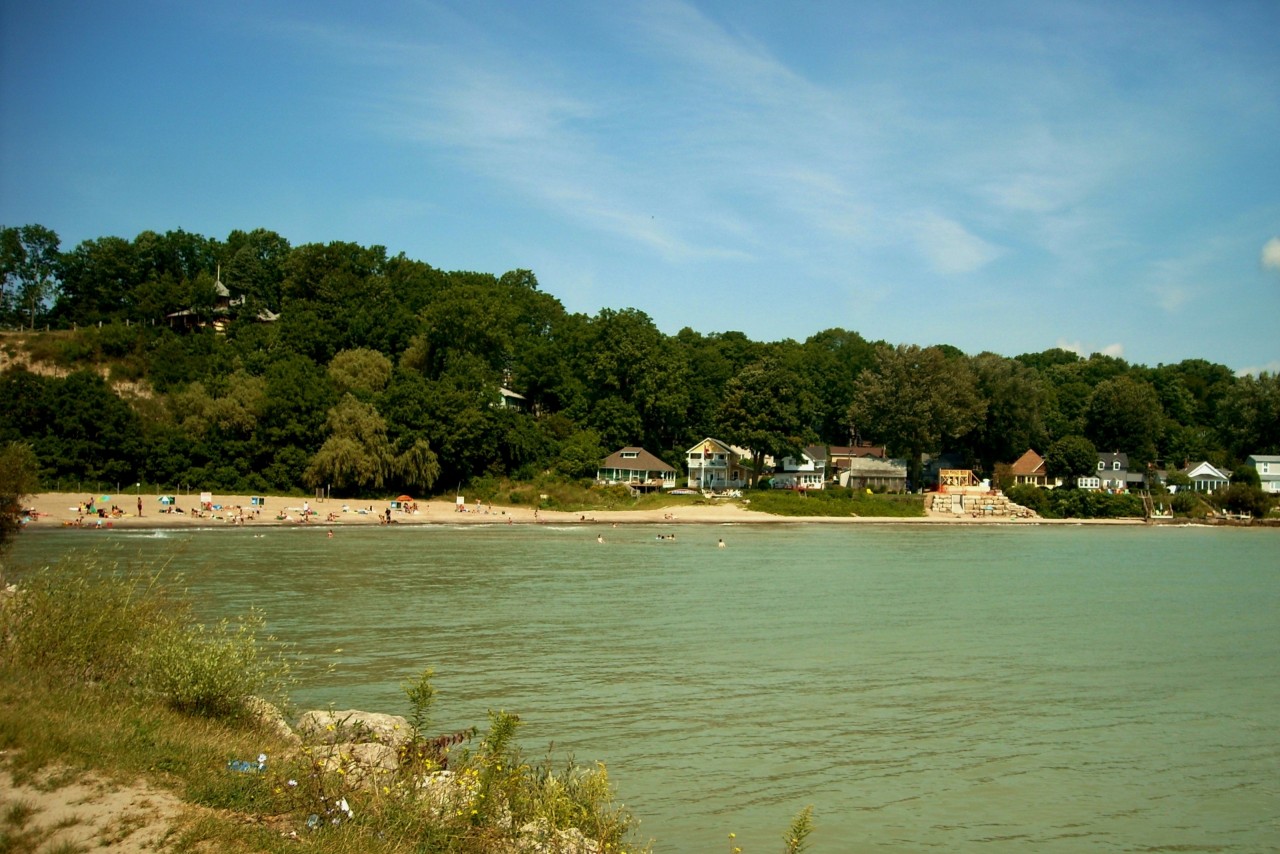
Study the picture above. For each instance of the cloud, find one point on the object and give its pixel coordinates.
(1271, 253)
(1114, 350)
(1172, 297)
(1272, 367)
(949, 246)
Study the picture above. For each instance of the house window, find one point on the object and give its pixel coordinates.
(629, 455)
(1101, 465)
(1115, 466)
(696, 455)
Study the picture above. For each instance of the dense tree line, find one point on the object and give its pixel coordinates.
(341, 367)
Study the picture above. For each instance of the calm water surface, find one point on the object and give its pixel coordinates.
(957, 689)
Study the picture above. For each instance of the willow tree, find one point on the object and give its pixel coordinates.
(357, 454)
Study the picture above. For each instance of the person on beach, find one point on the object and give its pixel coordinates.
(139, 505)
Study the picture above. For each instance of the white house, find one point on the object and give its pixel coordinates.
(1268, 467)
(713, 465)
(1206, 477)
(637, 468)
(808, 472)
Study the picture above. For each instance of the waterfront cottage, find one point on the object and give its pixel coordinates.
(1030, 469)
(1112, 474)
(872, 473)
(1268, 468)
(714, 466)
(636, 468)
(1206, 477)
(807, 472)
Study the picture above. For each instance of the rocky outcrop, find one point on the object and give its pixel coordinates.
(352, 726)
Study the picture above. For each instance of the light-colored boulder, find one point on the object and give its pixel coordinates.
(271, 719)
(353, 727)
(363, 764)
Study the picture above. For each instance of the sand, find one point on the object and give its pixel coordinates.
(60, 510)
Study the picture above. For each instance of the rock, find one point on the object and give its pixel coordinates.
(362, 764)
(354, 727)
(271, 719)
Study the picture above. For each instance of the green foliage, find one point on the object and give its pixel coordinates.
(1030, 496)
(421, 694)
(19, 478)
(835, 502)
(213, 671)
(797, 836)
(767, 408)
(1246, 475)
(914, 399)
(247, 407)
(1243, 498)
(1071, 458)
(86, 620)
(1079, 503)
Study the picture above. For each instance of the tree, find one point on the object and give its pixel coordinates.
(19, 477)
(1124, 414)
(1016, 400)
(360, 371)
(29, 261)
(357, 454)
(1247, 475)
(1071, 458)
(768, 410)
(831, 363)
(418, 467)
(913, 400)
(1249, 419)
(580, 455)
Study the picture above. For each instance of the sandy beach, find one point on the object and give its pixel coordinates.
(53, 510)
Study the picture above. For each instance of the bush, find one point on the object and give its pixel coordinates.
(1031, 497)
(1241, 498)
(84, 621)
(212, 672)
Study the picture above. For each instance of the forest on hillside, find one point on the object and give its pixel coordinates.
(250, 365)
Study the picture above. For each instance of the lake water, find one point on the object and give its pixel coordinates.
(962, 689)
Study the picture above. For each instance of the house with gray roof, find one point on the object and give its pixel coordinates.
(1268, 468)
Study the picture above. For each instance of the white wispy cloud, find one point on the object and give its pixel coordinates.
(1115, 350)
(1271, 254)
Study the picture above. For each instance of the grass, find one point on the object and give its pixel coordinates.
(841, 503)
(102, 670)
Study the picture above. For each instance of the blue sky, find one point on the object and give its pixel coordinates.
(997, 176)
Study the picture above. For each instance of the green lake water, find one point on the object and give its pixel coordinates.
(961, 689)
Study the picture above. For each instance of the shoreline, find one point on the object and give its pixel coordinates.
(60, 511)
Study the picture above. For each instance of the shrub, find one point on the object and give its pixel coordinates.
(212, 672)
(1031, 497)
(1242, 498)
(86, 621)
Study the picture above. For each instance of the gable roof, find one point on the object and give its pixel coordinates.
(642, 461)
(1028, 463)
(1264, 458)
(1122, 458)
(1208, 470)
(724, 447)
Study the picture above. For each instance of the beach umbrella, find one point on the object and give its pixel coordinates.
(405, 498)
